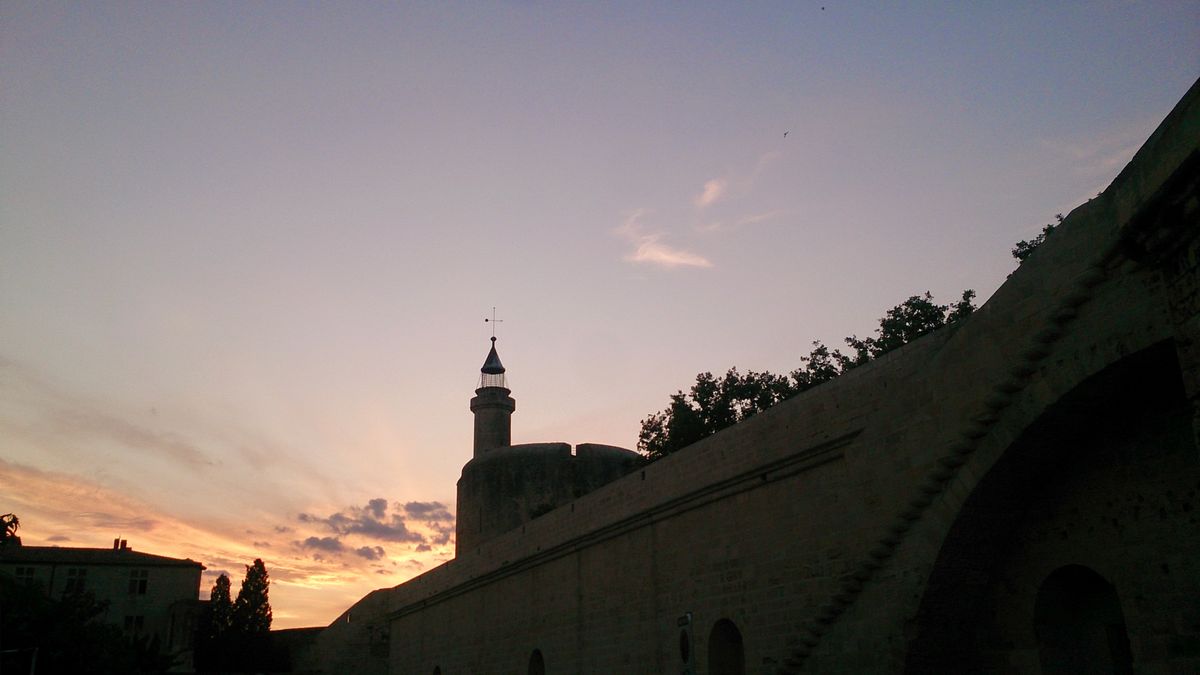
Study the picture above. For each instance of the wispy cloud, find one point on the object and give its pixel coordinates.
(649, 248)
(735, 184)
(713, 191)
(744, 221)
(54, 417)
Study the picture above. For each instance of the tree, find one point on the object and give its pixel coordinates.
(252, 609)
(215, 628)
(711, 405)
(220, 607)
(715, 403)
(908, 321)
(68, 635)
(1023, 248)
(9, 522)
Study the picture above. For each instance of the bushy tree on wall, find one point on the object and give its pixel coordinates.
(714, 403)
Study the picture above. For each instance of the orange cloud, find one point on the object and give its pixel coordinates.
(306, 590)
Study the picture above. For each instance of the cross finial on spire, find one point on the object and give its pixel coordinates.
(493, 321)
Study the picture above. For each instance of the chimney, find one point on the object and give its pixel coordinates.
(116, 543)
(124, 545)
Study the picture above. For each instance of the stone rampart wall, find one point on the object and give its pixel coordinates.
(816, 526)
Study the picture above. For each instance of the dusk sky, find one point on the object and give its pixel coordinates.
(246, 249)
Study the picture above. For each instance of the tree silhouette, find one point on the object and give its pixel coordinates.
(252, 609)
(715, 403)
(1022, 249)
(215, 627)
(219, 618)
(10, 523)
(908, 321)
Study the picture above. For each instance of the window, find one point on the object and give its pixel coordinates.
(137, 582)
(134, 624)
(25, 575)
(76, 580)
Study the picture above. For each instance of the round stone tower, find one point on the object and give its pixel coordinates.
(505, 486)
(492, 405)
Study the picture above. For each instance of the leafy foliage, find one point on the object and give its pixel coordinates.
(9, 524)
(714, 403)
(1023, 248)
(908, 321)
(67, 635)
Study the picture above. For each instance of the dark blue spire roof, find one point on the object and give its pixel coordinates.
(492, 365)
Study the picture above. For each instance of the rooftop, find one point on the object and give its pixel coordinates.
(45, 555)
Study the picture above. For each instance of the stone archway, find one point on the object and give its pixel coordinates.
(726, 653)
(1079, 624)
(1077, 486)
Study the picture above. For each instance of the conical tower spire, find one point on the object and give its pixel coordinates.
(492, 372)
(492, 405)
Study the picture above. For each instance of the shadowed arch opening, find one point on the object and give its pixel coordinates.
(437, 670)
(1136, 404)
(726, 654)
(1079, 624)
(537, 664)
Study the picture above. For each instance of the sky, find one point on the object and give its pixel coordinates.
(246, 249)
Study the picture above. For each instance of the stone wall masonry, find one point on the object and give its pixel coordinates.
(505, 488)
(815, 526)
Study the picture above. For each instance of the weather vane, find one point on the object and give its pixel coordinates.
(493, 321)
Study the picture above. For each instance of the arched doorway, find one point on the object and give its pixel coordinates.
(537, 664)
(1079, 624)
(726, 654)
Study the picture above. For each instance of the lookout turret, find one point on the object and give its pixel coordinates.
(492, 405)
(505, 486)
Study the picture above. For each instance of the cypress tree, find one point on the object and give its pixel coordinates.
(252, 609)
(220, 608)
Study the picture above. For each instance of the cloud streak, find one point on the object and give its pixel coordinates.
(744, 221)
(650, 249)
(713, 191)
(55, 416)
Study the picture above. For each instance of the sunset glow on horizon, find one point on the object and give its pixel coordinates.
(247, 250)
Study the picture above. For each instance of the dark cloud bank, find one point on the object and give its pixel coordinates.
(379, 521)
